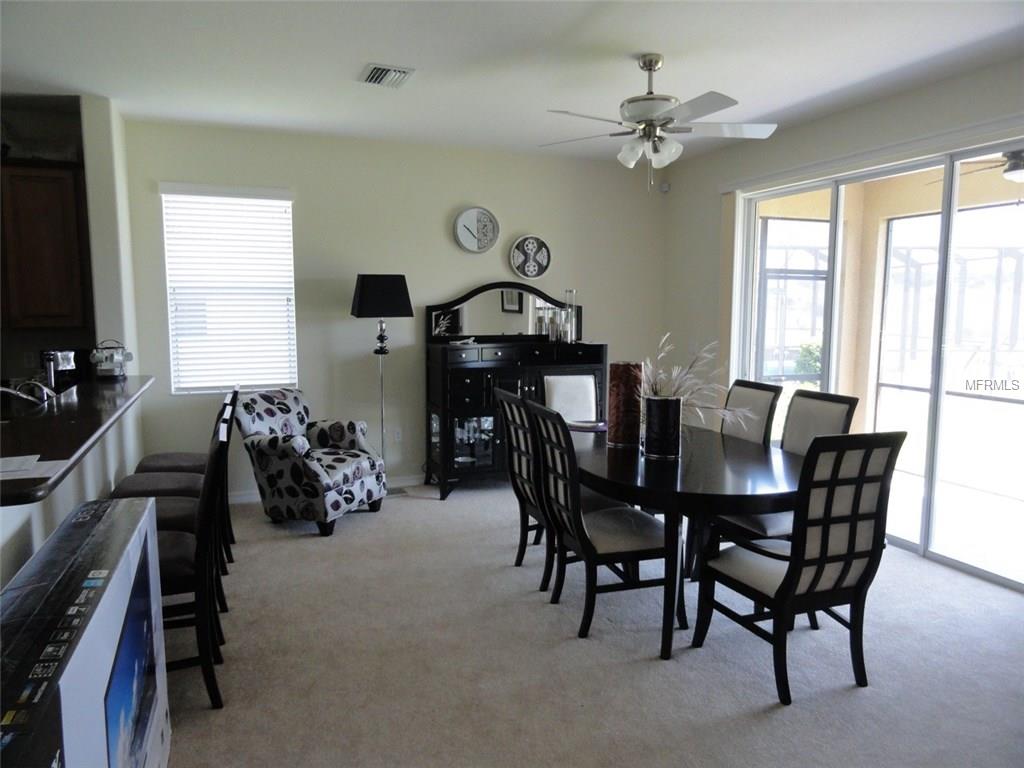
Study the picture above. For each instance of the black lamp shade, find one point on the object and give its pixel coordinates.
(381, 296)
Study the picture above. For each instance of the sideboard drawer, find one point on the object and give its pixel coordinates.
(498, 354)
(468, 355)
(466, 389)
(579, 353)
(537, 353)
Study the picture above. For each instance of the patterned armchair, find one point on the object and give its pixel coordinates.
(307, 470)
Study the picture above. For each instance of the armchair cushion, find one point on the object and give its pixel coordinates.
(338, 434)
(764, 574)
(273, 412)
(282, 447)
(346, 467)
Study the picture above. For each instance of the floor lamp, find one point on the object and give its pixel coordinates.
(381, 296)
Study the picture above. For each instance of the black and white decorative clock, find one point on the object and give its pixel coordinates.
(476, 229)
(530, 257)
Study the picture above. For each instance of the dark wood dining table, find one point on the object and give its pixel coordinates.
(715, 474)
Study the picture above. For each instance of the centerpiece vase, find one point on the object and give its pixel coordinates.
(624, 382)
(661, 433)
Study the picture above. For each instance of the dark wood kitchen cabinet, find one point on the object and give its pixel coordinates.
(46, 272)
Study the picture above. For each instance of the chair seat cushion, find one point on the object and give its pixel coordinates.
(757, 571)
(624, 529)
(592, 501)
(173, 461)
(176, 513)
(345, 466)
(761, 526)
(159, 484)
(177, 562)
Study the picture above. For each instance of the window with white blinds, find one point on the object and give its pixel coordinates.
(230, 290)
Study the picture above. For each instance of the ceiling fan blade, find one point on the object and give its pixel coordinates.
(727, 130)
(979, 170)
(968, 173)
(585, 138)
(591, 117)
(703, 105)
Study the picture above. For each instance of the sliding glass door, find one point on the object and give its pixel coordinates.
(900, 232)
(978, 511)
(906, 289)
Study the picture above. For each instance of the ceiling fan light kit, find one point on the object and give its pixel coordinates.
(650, 117)
(1014, 168)
(631, 152)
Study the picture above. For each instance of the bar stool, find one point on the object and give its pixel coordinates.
(177, 498)
(188, 567)
(173, 477)
(182, 461)
(179, 462)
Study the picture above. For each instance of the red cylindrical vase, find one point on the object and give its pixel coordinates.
(624, 382)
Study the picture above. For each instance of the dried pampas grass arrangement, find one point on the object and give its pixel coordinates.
(693, 384)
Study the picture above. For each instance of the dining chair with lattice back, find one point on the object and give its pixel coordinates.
(837, 540)
(523, 463)
(810, 415)
(618, 538)
(752, 405)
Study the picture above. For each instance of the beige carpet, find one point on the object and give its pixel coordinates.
(408, 639)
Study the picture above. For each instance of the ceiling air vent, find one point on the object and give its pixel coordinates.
(385, 74)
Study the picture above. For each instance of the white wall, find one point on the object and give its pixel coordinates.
(700, 249)
(110, 243)
(367, 206)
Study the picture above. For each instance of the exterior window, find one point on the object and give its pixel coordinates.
(230, 289)
(794, 261)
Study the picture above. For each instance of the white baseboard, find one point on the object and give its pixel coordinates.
(244, 497)
(253, 496)
(404, 481)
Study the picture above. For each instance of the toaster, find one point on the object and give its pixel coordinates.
(109, 357)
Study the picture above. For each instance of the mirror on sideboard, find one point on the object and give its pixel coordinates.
(496, 310)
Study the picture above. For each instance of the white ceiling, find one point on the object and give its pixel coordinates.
(486, 72)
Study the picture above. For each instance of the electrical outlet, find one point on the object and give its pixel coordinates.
(398, 435)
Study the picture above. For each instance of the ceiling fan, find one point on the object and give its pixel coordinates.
(652, 118)
(1012, 164)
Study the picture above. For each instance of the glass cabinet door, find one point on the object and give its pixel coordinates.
(474, 444)
(435, 436)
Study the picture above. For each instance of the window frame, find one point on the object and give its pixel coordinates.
(280, 195)
(764, 275)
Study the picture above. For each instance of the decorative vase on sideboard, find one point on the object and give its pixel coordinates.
(661, 434)
(624, 382)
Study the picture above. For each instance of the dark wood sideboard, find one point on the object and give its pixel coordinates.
(464, 434)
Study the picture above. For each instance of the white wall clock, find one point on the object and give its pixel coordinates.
(530, 257)
(476, 229)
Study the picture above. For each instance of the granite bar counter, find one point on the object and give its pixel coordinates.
(87, 438)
